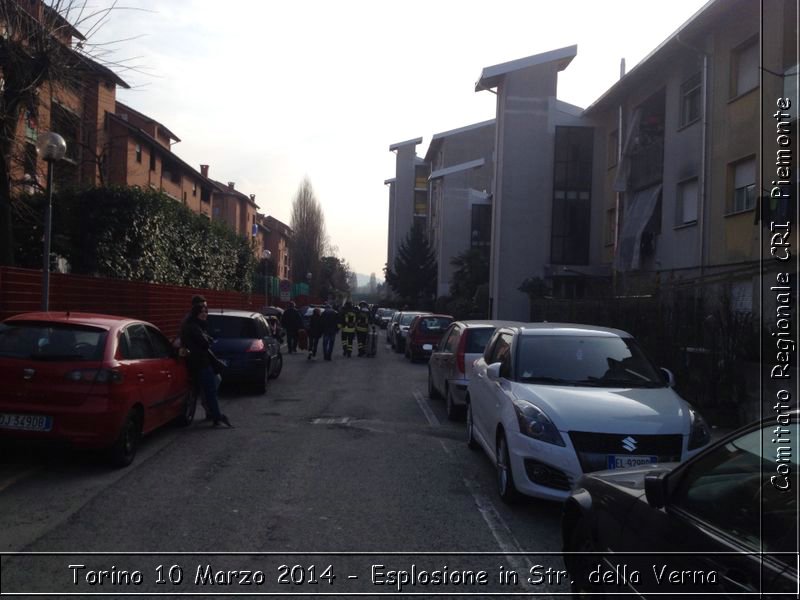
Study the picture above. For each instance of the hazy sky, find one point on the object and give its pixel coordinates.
(269, 92)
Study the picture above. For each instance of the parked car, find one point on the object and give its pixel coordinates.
(549, 402)
(92, 380)
(244, 340)
(451, 364)
(401, 329)
(383, 316)
(424, 332)
(733, 507)
(390, 328)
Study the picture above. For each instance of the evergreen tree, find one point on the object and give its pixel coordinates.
(413, 277)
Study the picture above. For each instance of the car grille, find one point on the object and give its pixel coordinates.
(594, 448)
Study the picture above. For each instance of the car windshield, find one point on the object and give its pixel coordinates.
(224, 326)
(407, 318)
(477, 340)
(600, 361)
(433, 324)
(51, 341)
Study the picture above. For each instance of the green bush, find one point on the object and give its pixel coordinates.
(136, 234)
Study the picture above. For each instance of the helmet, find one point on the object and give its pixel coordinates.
(363, 304)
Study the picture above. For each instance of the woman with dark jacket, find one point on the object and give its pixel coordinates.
(315, 332)
(201, 362)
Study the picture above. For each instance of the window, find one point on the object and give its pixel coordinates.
(481, 227)
(730, 490)
(687, 202)
(613, 148)
(152, 159)
(138, 153)
(744, 68)
(611, 226)
(184, 197)
(690, 100)
(138, 343)
(194, 188)
(420, 203)
(572, 183)
(29, 162)
(744, 185)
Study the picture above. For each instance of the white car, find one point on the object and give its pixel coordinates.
(549, 402)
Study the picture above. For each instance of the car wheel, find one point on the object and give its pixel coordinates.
(581, 541)
(276, 370)
(189, 408)
(472, 444)
(123, 451)
(433, 393)
(454, 411)
(505, 478)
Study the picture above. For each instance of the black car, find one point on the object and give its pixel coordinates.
(243, 339)
(723, 522)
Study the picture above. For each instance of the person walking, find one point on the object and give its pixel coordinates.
(348, 325)
(203, 365)
(330, 326)
(292, 323)
(362, 326)
(314, 333)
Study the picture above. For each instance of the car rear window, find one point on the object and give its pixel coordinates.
(224, 326)
(433, 324)
(51, 341)
(477, 340)
(407, 318)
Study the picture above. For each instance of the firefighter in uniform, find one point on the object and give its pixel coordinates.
(348, 325)
(362, 327)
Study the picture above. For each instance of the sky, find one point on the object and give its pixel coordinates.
(269, 92)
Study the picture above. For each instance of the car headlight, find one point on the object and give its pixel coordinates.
(699, 431)
(535, 424)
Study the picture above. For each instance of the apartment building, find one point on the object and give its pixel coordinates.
(237, 210)
(462, 166)
(278, 242)
(408, 195)
(682, 152)
(545, 178)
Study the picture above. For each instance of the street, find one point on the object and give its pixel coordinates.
(344, 478)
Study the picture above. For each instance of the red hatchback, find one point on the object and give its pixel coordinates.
(424, 334)
(93, 380)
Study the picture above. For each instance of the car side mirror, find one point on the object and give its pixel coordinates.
(493, 370)
(668, 377)
(655, 489)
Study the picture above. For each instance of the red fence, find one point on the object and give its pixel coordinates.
(163, 305)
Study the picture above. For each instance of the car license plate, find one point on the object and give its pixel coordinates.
(25, 422)
(624, 462)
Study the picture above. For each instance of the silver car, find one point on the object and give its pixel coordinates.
(450, 366)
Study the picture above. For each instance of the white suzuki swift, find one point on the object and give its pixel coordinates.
(549, 402)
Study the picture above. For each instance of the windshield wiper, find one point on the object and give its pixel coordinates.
(545, 379)
(604, 382)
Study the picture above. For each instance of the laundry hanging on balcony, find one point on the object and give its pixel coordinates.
(639, 208)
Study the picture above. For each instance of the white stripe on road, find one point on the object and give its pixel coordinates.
(501, 531)
(426, 410)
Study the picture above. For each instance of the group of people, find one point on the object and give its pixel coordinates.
(205, 368)
(324, 324)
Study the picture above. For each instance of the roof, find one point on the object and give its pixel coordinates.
(545, 328)
(78, 318)
(475, 323)
(279, 226)
(62, 22)
(491, 76)
(473, 164)
(706, 15)
(413, 142)
(438, 138)
(224, 188)
(144, 117)
(95, 67)
(232, 312)
(389, 181)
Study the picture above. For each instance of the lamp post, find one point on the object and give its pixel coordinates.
(51, 147)
(266, 255)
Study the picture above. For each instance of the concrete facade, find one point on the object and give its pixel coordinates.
(462, 167)
(402, 192)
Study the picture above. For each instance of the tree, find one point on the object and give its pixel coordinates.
(333, 279)
(470, 277)
(308, 233)
(413, 277)
(36, 60)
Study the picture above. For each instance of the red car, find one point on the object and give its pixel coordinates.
(424, 333)
(93, 380)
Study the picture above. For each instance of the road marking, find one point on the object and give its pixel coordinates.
(426, 410)
(501, 531)
(7, 483)
(446, 449)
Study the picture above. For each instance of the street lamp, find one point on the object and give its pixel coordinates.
(266, 255)
(51, 147)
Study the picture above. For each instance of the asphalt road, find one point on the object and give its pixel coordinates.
(343, 478)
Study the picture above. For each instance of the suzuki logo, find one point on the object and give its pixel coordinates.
(27, 374)
(629, 444)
